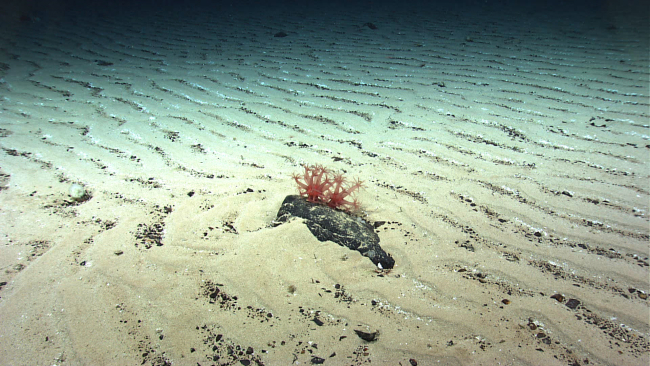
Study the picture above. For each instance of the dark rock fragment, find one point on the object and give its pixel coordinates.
(558, 297)
(573, 303)
(315, 360)
(280, 34)
(368, 337)
(340, 227)
(377, 224)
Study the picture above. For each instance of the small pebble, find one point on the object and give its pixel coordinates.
(572, 303)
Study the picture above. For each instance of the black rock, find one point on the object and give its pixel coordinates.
(573, 303)
(280, 34)
(369, 337)
(315, 360)
(338, 226)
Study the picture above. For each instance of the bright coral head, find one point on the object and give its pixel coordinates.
(319, 185)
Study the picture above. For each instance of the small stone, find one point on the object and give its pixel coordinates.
(118, 252)
(371, 26)
(558, 297)
(505, 302)
(573, 303)
(369, 337)
(77, 192)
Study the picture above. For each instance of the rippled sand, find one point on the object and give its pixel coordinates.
(506, 155)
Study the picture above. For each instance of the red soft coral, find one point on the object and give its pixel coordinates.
(319, 187)
(314, 183)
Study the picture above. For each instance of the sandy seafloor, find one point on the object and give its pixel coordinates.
(505, 150)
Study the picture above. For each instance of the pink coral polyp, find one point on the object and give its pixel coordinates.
(319, 185)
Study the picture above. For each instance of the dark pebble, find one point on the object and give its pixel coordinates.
(369, 337)
(317, 360)
(280, 34)
(558, 297)
(572, 303)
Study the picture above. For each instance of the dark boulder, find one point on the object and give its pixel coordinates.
(338, 226)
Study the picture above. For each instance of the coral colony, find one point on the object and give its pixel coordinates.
(320, 185)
